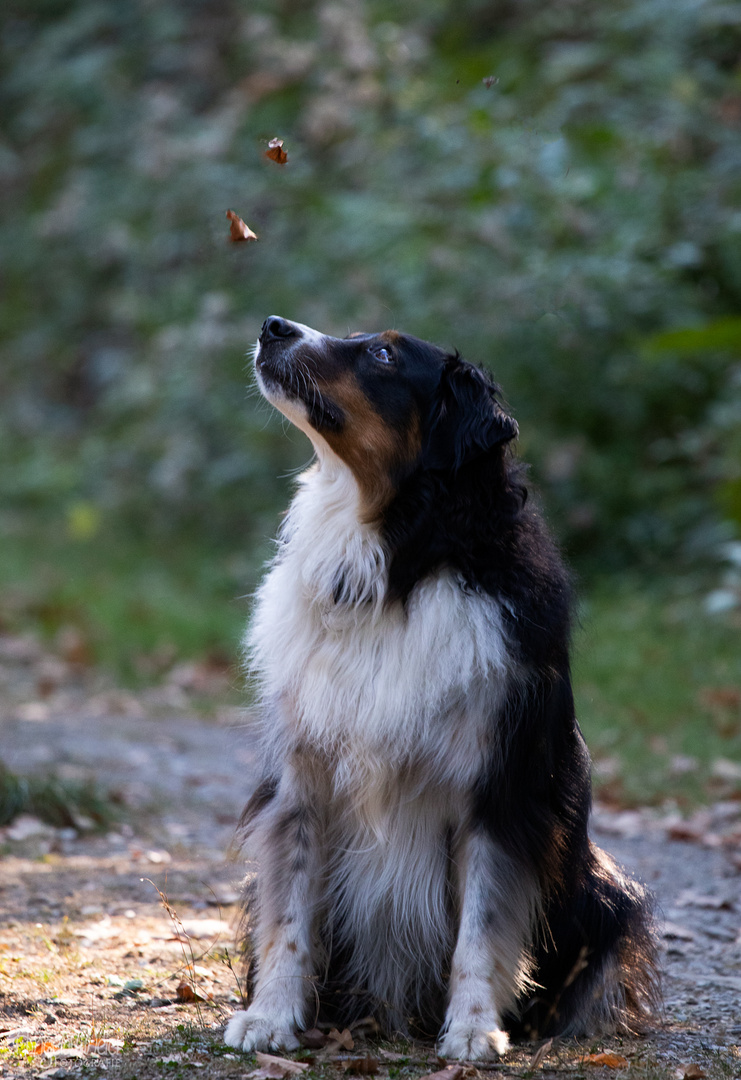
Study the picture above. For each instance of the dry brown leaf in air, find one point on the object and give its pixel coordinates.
(540, 1054)
(340, 1040)
(238, 231)
(276, 152)
(272, 1067)
(607, 1060)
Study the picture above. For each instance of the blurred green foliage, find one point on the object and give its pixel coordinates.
(61, 803)
(555, 189)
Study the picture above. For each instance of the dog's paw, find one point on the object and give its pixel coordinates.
(248, 1031)
(468, 1043)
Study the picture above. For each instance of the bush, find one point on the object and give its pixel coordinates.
(545, 187)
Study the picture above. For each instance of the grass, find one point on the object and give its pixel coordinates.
(62, 803)
(137, 606)
(658, 689)
(658, 682)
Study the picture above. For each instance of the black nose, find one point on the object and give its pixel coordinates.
(275, 327)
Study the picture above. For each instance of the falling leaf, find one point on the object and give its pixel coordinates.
(364, 1066)
(340, 1040)
(238, 230)
(271, 1067)
(276, 152)
(540, 1054)
(608, 1060)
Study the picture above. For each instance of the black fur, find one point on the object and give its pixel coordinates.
(465, 506)
(460, 503)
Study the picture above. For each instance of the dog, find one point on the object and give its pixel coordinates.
(421, 821)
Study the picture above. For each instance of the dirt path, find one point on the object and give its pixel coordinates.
(91, 960)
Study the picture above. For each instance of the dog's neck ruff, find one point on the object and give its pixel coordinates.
(360, 679)
(342, 560)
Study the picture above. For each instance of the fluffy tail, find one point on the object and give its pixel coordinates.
(595, 962)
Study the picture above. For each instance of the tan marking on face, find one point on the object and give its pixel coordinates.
(393, 337)
(373, 451)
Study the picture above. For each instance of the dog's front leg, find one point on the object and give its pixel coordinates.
(496, 904)
(289, 846)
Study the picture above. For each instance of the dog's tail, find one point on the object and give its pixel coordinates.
(595, 961)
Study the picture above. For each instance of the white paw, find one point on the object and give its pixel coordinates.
(247, 1031)
(467, 1042)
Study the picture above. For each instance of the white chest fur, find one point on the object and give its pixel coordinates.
(375, 687)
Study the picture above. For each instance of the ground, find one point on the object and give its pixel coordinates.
(105, 936)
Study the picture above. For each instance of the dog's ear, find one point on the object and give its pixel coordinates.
(467, 419)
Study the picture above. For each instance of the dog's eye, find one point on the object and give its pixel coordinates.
(384, 355)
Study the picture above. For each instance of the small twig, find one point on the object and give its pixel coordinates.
(236, 978)
(182, 933)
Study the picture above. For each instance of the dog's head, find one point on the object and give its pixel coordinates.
(386, 404)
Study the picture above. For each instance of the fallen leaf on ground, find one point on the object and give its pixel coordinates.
(450, 1072)
(276, 152)
(313, 1039)
(238, 230)
(272, 1067)
(608, 1060)
(691, 1072)
(340, 1040)
(105, 1044)
(186, 992)
(540, 1054)
(364, 1066)
(45, 1048)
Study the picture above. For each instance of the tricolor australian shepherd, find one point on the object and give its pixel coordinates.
(421, 822)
